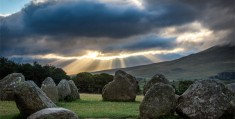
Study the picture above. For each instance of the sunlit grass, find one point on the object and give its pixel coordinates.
(8, 110)
(90, 106)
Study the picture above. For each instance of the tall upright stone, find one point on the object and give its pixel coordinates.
(158, 101)
(49, 87)
(74, 90)
(30, 98)
(157, 78)
(63, 89)
(122, 88)
(8, 84)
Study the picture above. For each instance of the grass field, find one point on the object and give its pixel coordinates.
(90, 106)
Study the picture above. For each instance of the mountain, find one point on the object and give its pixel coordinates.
(201, 65)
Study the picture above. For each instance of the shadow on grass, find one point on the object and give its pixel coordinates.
(16, 116)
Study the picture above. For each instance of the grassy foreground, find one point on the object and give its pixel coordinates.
(90, 106)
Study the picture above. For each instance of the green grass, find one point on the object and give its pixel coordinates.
(90, 106)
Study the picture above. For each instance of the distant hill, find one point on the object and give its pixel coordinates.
(201, 65)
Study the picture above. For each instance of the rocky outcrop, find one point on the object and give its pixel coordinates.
(30, 98)
(206, 99)
(49, 87)
(158, 78)
(63, 89)
(158, 101)
(54, 113)
(8, 84)
(122, 88)
(74, 90)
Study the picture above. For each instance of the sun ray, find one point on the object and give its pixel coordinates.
(78, 66)
(152, 58)
(122, 63)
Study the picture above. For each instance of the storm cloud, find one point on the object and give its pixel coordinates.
(71, 27)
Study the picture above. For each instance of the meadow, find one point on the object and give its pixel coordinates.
(89, 106)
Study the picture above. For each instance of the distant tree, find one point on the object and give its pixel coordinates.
(84, 82)
(7, 67)
(88, 83)
(100, 80)
(35, 72)
(183, 86)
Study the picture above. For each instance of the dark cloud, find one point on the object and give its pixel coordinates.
(68, 27)
(217, 15)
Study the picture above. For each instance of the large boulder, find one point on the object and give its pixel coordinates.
(8, 84)
(122, 88)
(206, 99)
(54, 113)
(49, 87)
(74, 90)
(231, 87)
(63, 89)
(158, 101)
(157, 78)
(30, 98)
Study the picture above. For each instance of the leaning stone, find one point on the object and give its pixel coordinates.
(30, 98)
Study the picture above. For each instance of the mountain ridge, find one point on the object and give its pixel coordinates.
(199, 65)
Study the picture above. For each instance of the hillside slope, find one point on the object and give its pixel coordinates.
(195, 66)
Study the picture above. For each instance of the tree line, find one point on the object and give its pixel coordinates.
(89, 83)
(35, 71)
(86, 82)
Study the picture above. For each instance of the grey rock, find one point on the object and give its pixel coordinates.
(157, 78)
(158, 101)
(206, 99)
(8, 84)
(49, 87)
(176, 97)
(231, 87)
(122, 88)
(63, 89)
(74, 90)
(54, 113)
(30, 98)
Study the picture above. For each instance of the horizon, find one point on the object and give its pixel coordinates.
(87, 36)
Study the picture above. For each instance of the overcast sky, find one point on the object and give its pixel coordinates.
(91, 35)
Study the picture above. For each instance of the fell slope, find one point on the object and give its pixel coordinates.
(195, 66)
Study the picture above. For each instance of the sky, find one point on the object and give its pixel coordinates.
(93, 35)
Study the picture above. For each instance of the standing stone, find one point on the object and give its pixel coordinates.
(231, 87)
(54, 113)
(206, 99)
(49, 87)
(157, 78)
(8, 84)
(122, 88)
(158, 101)
(63, 89)
(74, 90)
(30, 98)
